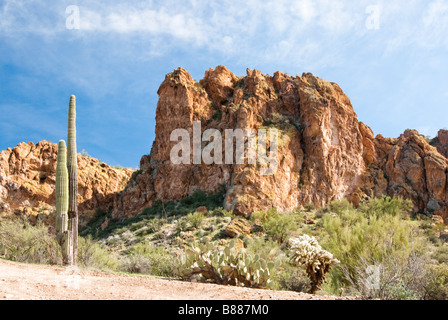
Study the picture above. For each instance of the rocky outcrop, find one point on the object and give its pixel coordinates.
(410, 168)
(27, 181)
(441, 142)
(237, 227)
(324, 152)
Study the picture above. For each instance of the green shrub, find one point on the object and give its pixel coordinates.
(309, 207)
(219, 212)
(146, 259)
(387, 206)
(441, 254)
(20, 241)
(279, 226)
(195, 219)
(437, 287)
(135, 264)
(182, 225)
(400, 276)
(92, 255)
(339, 206)
(368, 236)
(294, 279)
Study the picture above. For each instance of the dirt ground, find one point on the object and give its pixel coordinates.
(41, 282)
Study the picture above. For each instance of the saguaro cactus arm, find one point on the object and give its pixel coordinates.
(72, 160)
(61, 189)
(64, 236)
(72, 167)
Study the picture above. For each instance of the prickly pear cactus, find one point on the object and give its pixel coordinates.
(225, 266)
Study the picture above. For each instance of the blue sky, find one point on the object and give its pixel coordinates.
(389, 57)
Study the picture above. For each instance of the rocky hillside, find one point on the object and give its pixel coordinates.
(28, 175)
(325, 153)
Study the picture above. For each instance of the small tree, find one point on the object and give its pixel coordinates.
(305, 250)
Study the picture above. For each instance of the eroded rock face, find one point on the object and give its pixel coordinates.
(324, 152)
(412, 169)
(28, 176)
(442, 142)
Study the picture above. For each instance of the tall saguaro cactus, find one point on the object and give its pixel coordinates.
(64, 236)
(72, 167)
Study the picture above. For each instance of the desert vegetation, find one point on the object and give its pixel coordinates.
(378, 250)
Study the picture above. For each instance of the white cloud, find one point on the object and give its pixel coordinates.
(435, 21)
(250, 30)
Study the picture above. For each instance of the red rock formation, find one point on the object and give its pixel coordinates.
(324, 152)
(442, 142)
(27, 181)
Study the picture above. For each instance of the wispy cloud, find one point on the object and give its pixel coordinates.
(118, 57)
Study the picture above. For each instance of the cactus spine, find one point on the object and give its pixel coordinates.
(72, 167)
(64, 236)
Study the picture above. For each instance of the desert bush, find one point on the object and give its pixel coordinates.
(92, 255)
(361, 236)
(190, 222)
(437, 286)
(294, 279)
(145, 259)
(258, 216)
(305, 250)
(402, 276)
(386, 205)
(182, 225)
(279, 226)
(309, 207)
(194, 220)
(20, 241)
(226, 266)
(219, 212)
(441, 254)
(135, 263)
(320, 213)
(339, 206)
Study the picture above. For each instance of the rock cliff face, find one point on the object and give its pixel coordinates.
(441, 142)
(28, 175)
(324, 153)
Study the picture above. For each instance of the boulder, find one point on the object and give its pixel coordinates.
(237, 227)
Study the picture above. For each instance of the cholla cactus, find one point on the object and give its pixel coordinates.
(225, 266)
(305, 250)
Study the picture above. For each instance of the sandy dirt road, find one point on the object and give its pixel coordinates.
(41, 282)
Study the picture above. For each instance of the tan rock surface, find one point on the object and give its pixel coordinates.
(28, 175)
(325, 153)
(237, 227)
(442, 142)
